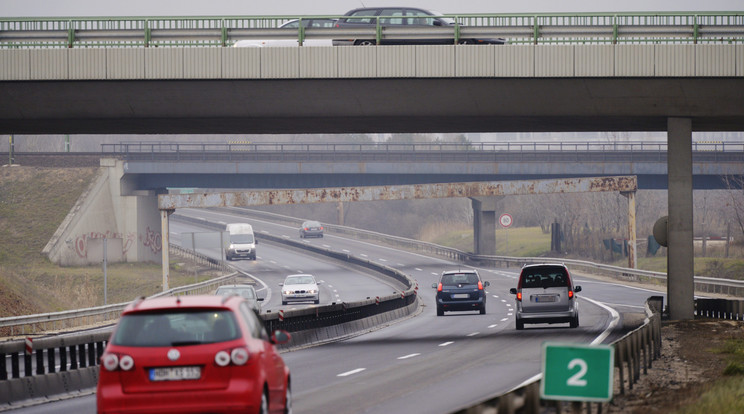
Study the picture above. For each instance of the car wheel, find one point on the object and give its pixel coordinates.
(440, 311)
(317, 301)
(254, 257)
(301, 235)
(483, 310)
(288, 400)
(365, 43)
(264, 409)
(228, 258)
(520, 325)
(574, 322)
(284, 302)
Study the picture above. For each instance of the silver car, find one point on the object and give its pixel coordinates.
(300, 288)
(545, 294)
(248, 292)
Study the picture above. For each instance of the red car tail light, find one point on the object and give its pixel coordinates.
(126, 362)
(570, 294)
(239, 356)
(236, 356)
(110, 362)
(439, 287)
(480, 285)
(519, 296)
(222, 358)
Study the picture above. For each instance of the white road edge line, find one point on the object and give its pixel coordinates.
(408, 356)
(352, 372)
(600, 338)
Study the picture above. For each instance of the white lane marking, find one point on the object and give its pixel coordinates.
(327, 246)
(504, 319)
(496, 296)
(272, 261)
(352, 372)
(417, 269)
(408, 356)
(625, 305)
(599, 339)
(473, 334)
(503, 300)
(435, 274)
(447, 343)
(382, 260)
(615, 319)
(400, 264)
(493, 326)
(363, 255)
(346, 251)
(509, 314)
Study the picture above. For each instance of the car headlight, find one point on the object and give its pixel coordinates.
(287, 292)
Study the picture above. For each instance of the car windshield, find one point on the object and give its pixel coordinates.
(299, 280)
(243, 238)
(544, 277)
(176, 328)
(459, 279)
(244, 292)
(312, 224)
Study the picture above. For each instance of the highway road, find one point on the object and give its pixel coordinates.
(424, 363)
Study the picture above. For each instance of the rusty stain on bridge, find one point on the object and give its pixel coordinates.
(249, 198)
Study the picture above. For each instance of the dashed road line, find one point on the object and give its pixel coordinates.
(352, 372)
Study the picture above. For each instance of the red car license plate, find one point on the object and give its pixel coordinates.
(175, 373)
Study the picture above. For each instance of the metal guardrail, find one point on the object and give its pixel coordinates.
(223, 31)
(634, 353)
(645, 146)
(632, 151)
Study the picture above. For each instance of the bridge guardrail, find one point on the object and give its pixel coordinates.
(222, 31)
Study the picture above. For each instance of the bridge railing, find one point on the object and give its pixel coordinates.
(223, 31)
(432, 151)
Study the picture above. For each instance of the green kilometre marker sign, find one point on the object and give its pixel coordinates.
(577, 372)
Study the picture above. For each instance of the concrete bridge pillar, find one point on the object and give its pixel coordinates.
(107, 209)
(484, 224)
(680, 259)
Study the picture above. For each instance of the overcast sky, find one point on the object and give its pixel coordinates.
(50, 8)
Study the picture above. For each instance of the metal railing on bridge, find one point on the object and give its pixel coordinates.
(223, 31)
(633, 151)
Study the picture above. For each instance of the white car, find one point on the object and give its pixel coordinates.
(292, 26)
(300, 288)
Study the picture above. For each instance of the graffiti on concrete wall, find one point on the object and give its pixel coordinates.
(152, 240)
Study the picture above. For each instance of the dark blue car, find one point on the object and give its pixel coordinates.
(461, 290)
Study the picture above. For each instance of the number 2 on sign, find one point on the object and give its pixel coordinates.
(577, 380)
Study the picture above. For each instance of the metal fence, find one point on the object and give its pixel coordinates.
(223, 31)
(632, 151)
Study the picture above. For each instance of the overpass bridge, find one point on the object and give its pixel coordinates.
(159, 165)
(674, 72)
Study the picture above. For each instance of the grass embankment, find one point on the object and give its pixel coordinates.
(725, 395)
(33, 203)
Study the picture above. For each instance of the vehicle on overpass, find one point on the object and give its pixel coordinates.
(460, 290)
(193, 354)
(293, 26)
(392, 17)
(545, 293)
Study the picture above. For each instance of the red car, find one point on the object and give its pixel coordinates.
(190, 354)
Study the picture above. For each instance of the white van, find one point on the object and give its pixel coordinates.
(240, 241)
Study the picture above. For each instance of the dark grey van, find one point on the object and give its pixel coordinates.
(545, 294)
